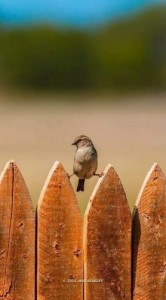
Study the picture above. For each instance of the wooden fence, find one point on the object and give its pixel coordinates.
(50, 259)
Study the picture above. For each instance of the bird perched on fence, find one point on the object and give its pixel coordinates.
(85, 160)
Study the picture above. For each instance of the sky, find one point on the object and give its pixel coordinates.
(70, 12)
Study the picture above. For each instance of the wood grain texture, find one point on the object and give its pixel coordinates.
(60, 267)
(149, 238)
(107, 236)
(17, 237)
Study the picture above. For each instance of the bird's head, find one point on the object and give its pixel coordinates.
(82, 141)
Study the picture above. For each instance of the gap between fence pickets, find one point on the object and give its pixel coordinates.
(143, 186)
(54, 167)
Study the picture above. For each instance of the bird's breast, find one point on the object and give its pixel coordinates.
(85, 162)
(85, 154)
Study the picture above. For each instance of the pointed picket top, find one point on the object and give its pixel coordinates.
(47, 182)
(17, 236)
(107, 240)
(96, 188)
(155, 167)
(8, 167)
(59, 242)
(149, 238)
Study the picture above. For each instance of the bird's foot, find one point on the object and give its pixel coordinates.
(99, 175)
(69, 176)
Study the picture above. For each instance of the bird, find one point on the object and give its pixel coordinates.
(85, 160)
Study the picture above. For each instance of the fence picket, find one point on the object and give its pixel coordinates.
(107, 236)
(149, 238)
(107, 239)
(17, 237)
(59, 240)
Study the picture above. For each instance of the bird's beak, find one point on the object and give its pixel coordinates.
(73, 144)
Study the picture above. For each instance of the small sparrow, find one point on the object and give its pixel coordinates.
(85, 160)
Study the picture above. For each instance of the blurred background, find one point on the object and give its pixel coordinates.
(83, 67)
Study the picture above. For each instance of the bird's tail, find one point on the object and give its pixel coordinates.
(80, 186)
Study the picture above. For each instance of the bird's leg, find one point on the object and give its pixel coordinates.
(70, 175)
(99, 175)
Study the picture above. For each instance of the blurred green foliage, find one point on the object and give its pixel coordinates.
(125, 55)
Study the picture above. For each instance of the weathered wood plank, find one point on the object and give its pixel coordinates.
(107, 236)
(17, 237)
(59, 240)
(149, 238)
